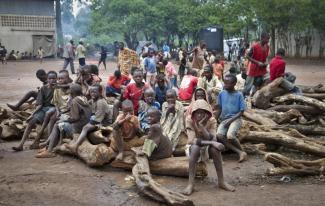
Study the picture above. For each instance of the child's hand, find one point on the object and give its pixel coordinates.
(171, 108)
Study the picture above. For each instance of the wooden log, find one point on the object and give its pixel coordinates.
(284, 165)
(279, 138)
(257, 118)
(305, 109)
(262, 97)
(308, 129)
(279, 117)
(100, 136)
(148, 186)
(305, 100)
(313, 89)
(9, 133)
(319, 96)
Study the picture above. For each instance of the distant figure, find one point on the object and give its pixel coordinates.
(166, 51)
(103, 56)
(81, 53)
(3, 54)
(40, 54)
(127, 58)
(68, 55)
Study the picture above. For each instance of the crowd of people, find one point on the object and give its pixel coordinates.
(153, 100)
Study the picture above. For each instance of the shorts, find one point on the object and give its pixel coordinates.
(40, 114)
(231, 131)
(151, 78)
(65, 128)
(111, 90)
(204, 153)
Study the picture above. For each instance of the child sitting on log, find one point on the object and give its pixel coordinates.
(172, 121)
(100, 116)
(162, 85)
(156, 145)
(203, 144)
(126, 128)
(60, 100)
(86, 78)
(232, 105)
(42, 76)
(79, 115)
(199, 93)
(44, 103)
(149, 101)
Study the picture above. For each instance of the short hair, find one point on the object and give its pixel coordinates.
(76, 89)
(165, 62)
(173, 91)
(264, 34)
(208, 68)
(52, 72)
(64, 71)
(155, 110)
(160, 76)
(232, 70)
(138, 70)
(127, 103)
(281, 52)
(99, 87)
(117, 73)
(40, 72)
(150, 90)
(133, 69)
(94, 69)
(232, 77)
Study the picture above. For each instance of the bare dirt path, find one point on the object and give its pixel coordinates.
(25, 180)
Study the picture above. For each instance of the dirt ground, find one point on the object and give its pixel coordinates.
(25, 180)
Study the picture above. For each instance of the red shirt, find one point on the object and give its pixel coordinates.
(116, 83)
(133, 93)
(187, 87)
(277, 67)
(260, 55)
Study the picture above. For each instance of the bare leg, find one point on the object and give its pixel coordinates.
(117, 105)
(104, 62)
(27, 131)
(217, 160)
(83, 135)
(194, 156)
(53, 138)
(119, 143)
(234, 145)
(26, 97)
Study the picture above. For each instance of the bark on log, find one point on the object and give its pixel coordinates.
(262, 97)
(149, 187)
(308, 129)
(319, 96)
(305, 109)
(284, 166)
(279, 117)
(297, 98)
(280, 138)
(313, 89)
(259, 119)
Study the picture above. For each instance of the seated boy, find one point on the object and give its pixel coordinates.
(232, 105)
(170, 72)
(149, 101)
(202, 143)
(172, 120)
(156, 145)
(210, 83)
(126, 128)
(44, 103)
(60, 100)
(188, 85)
(115, 84)
(86, 79)
(161, 88)
(100, 116)
(41, 75)
(79, 115)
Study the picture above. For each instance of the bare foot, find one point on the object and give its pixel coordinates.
(218, 146)
(188, 190)
(17, 149)
(242, 157)
(12, 107)
(42, 150)
(45, 154)
(120, 156)
(227, 187)
(43, 144)
(72, 147)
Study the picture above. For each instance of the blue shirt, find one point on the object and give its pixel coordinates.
(161, 94)
(231, 103)
(166, 48)
(150, 64)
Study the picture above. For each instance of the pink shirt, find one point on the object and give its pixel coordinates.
(170, 70)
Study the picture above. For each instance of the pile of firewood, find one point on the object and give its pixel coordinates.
(285, 120)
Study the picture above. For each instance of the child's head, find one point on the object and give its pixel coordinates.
(199, 115)
(40, 47)
(280, 52)
(171, 96)
(153, 115)
(149, 96)
(207, 72)
(200, 94)
(265, 37)
(191, 72)
(165, 62)
(121, 45)
(117, 74)
(75, 90)
(93, 69)
(202, 45)
(138, 76)
(41, 75)
(95, 92)
(51, 78)
(233, 70)
(133, 70)
(127, 107)
(160, 79)
(230, 81)
(63, 77)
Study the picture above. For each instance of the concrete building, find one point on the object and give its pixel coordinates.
(25, 25)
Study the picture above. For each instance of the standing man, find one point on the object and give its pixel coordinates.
(199, 56)
(68, 55)
(166, 51)
(257, 56)
(150, 66)
(81, 53)
(127, 58)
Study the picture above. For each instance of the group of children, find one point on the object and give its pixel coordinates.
(152, 114)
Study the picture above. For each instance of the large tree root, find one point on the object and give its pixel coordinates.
(284, 166)
(152, 189)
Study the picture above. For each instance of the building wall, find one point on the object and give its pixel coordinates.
(27, 7)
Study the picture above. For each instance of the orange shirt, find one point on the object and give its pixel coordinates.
(116, 83)
(217, 70)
